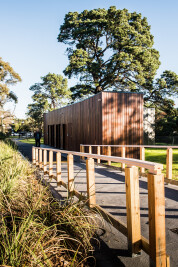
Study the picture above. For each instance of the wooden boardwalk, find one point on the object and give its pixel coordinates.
(111, 195)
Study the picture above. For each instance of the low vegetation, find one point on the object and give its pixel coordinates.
(36, 229)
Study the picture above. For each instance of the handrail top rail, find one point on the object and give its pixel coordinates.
(151, 146)
(153, 167)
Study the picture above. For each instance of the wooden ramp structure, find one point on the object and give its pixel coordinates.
(155, 244)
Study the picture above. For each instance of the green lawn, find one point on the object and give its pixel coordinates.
(159, 155)
(31, 141)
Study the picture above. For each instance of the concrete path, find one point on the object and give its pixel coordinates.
(25, 149)
(110, 195)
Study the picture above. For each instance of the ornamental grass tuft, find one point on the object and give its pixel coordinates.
(35, 228)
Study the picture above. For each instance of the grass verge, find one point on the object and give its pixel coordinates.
(35, 229)
(31, 141)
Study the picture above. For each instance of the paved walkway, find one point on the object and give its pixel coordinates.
(110, 195)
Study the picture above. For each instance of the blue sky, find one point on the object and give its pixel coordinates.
(29, 30)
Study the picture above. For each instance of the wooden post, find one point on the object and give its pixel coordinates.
(50, 164)
(58, 168)
(33, 155)
(98, 153)
(156, 206)
(109, 154)
(133, 210)
(90, 171)
(82, 150)
(40, 158)
(142, 157)
(168, 261)
(45, 161)
(169, 164)
(36, 156)
(70, 168)
(123, 156)
(90, 150)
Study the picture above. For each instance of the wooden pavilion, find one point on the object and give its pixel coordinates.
(108, 118)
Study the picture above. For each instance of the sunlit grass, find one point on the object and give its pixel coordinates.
(159, 155)
(31, 141)
(13, 137)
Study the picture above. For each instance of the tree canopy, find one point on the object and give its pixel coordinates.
(7, 77)
(113, 49)
(50, 94)
(53, 88)
(109, 49)
(36, 110)
(23, 125)
(166, 122)
(160, 91)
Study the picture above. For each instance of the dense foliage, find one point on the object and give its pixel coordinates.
(8, 77)
(166, 123)
(50, 94)
(113, 49)
(109, 48)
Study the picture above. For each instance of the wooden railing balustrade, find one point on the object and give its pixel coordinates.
(155, 247)
(169, 156)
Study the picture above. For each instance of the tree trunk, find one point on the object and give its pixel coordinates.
(98, 89)
(53, 103)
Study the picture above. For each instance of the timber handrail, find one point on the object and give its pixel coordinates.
(153, 146)
(132, 230)
(169, 156)
(153, 167)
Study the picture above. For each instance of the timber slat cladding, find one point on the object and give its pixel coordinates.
(112, 118)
